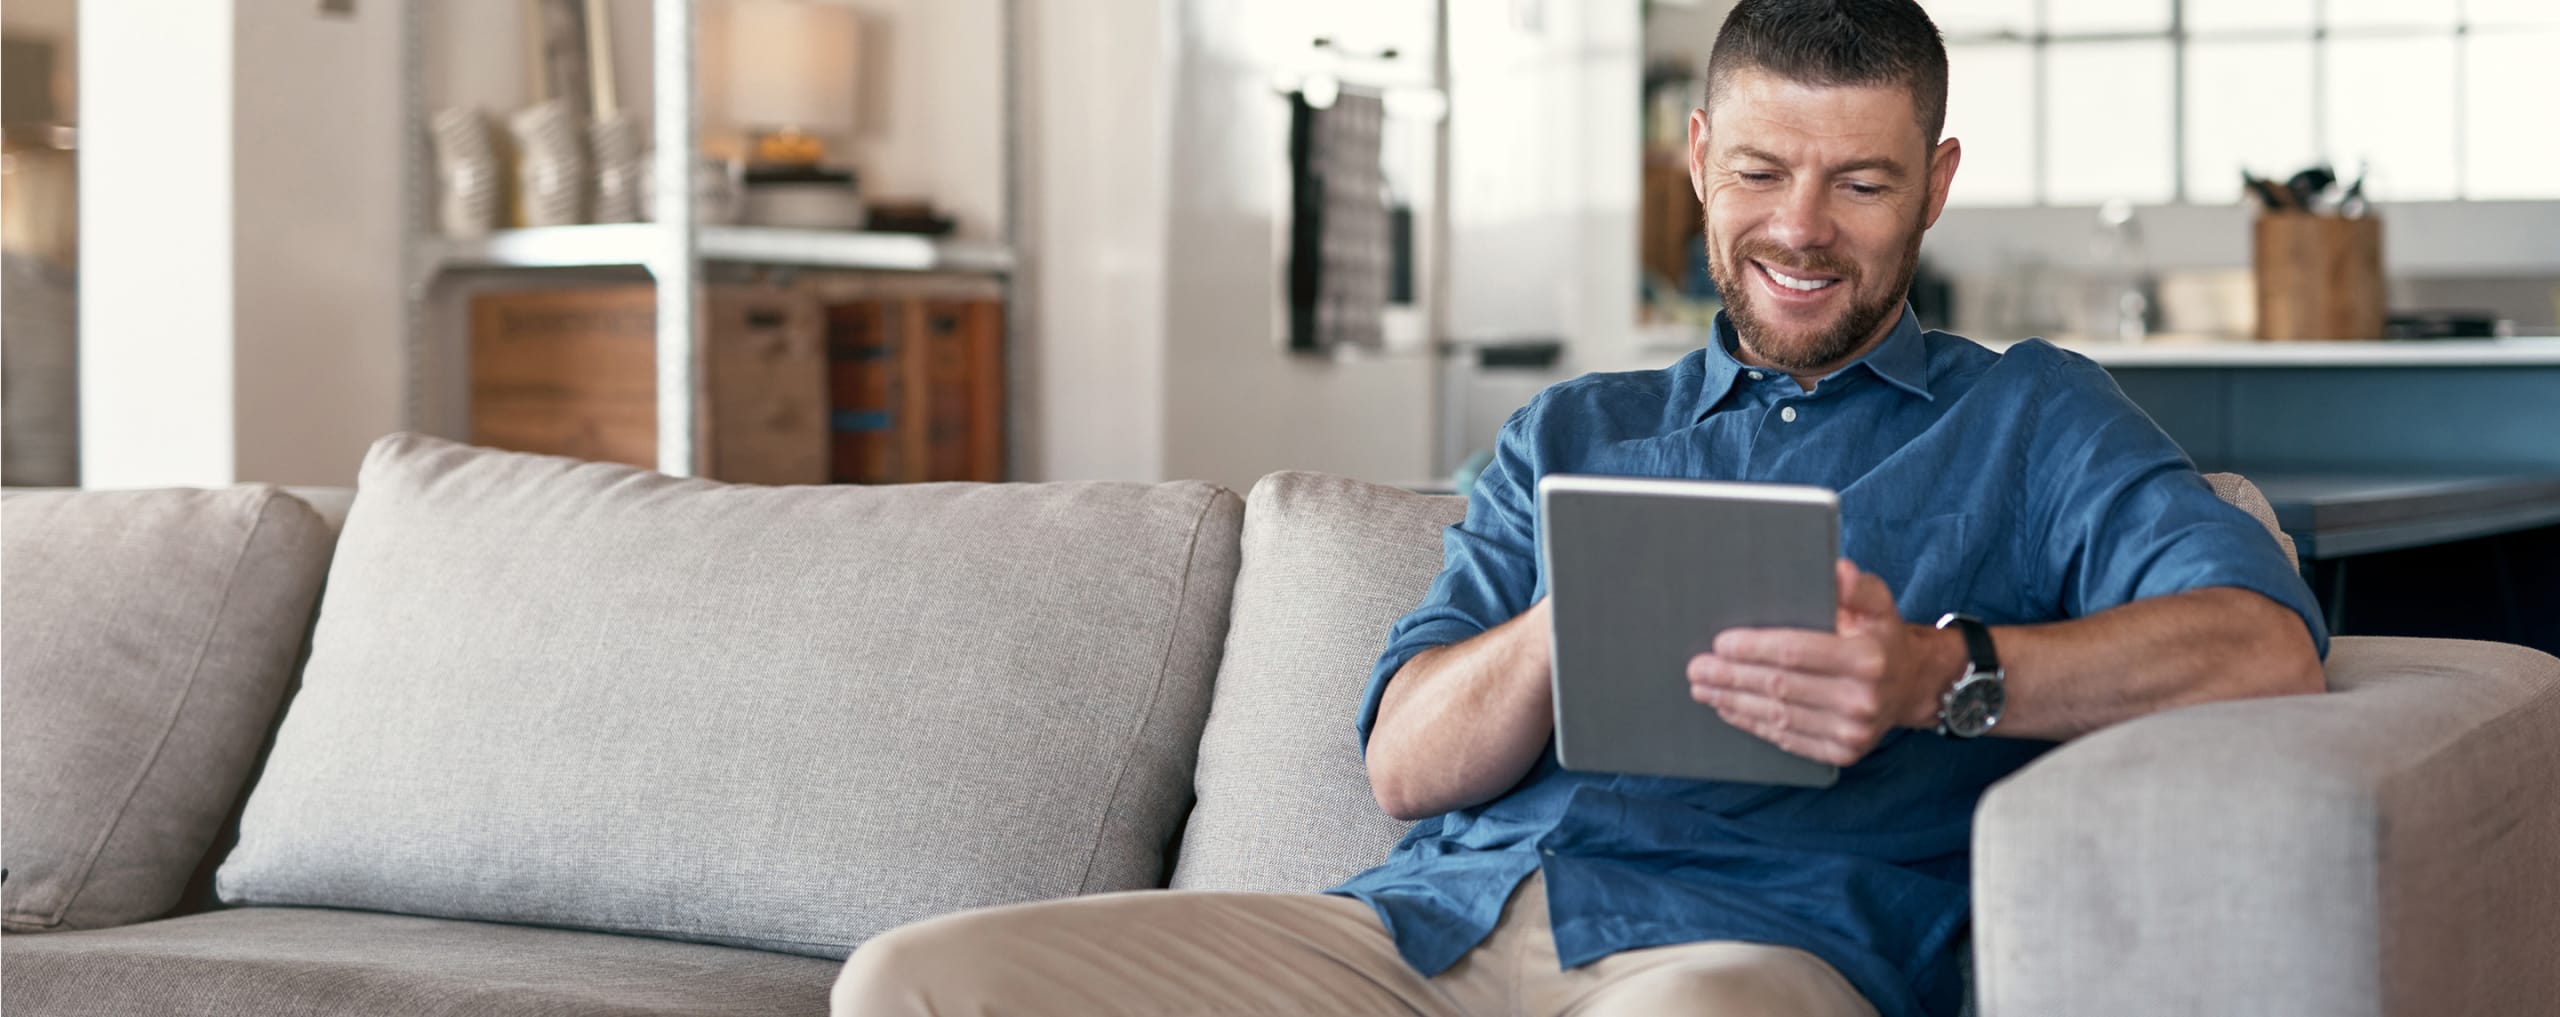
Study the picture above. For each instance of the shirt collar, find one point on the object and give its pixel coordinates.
(1901, 360)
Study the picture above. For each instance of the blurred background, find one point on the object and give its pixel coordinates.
(1147, 239)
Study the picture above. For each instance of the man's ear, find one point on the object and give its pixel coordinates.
(1942, 177)
(1698, 154)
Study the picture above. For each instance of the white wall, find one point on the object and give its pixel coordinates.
(318, 324)
(156, 217)
(240, 311)
(1098, 92)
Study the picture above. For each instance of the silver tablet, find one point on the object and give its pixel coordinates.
(1641, 576)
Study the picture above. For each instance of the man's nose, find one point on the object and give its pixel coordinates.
(1803, 217)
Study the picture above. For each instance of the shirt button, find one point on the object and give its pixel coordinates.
(1549, 852)
(1788, 414)
(1756, 376)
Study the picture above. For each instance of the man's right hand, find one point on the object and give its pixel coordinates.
(1462, 723)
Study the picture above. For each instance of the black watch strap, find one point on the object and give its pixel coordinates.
(1977, 641)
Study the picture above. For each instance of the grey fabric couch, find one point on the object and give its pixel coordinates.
(577, 739)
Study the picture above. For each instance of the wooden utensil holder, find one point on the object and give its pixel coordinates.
(2319, 276)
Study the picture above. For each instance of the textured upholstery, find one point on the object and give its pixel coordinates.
(2237, 490)
(150, 636)
(1329, 564)
(309, 962)
(2385, 849)
(586, 695)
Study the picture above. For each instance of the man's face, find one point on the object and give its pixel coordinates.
(1815, 198)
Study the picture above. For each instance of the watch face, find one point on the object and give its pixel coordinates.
(1976, 706)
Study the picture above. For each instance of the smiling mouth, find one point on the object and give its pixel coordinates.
(1796, 283)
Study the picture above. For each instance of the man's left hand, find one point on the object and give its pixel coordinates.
(1830, 696)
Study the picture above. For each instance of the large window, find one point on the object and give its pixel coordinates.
(2069, 102)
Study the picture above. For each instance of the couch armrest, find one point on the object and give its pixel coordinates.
(2392, 847)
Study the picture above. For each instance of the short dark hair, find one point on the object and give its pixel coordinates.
(1837, 42)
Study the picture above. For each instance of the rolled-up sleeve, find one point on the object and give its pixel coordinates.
(1489, 568)
(2127, 517)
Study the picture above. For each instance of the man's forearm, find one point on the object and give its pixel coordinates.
(1460, 724)
(2069, 678)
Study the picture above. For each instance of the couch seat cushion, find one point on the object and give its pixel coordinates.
(585, 695)
(287, 962)
(1329, 564)
(150, 637)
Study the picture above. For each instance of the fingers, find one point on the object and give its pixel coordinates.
(1855, 701)
(1814, 694)
(1801, 650)
(1813, 734)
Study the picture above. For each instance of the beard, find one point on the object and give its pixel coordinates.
(1821, 346)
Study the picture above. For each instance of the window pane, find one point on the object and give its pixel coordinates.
(2248, 104)
(2510, 147)
(1956, 18)
(1991, 109)
(2391, 13)
(2390, 103)
(2226, 15)
(2107, 123)
(2064, 17)
(2499, 13)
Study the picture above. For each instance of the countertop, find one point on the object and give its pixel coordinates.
(1659, 343)
(2333, 513)
(2171, 351)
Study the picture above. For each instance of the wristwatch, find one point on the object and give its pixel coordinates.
(1971, 707)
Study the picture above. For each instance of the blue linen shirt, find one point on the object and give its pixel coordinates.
(2018, 487)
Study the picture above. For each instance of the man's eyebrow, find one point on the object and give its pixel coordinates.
(1887, 164)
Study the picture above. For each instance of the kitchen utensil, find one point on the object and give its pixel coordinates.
(2352, 203)
(2309, 186)
(2270, 197)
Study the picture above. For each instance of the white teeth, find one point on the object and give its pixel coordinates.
(1793, 283)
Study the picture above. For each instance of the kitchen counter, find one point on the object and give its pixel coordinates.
(2172, 351)
(2335, 515)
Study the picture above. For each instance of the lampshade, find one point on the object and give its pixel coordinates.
(792, 64)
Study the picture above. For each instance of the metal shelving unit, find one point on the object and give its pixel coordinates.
(630, 244)
(675, 248)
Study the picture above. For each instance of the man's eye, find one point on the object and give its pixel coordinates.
(1759, 178)
(1865, 190)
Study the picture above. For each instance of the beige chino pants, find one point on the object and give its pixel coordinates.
(1165, 953)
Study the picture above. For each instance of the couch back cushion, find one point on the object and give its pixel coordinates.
(577, 694)
(150, 636)
(1329, 564)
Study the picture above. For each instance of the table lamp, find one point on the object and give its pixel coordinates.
(792, 76)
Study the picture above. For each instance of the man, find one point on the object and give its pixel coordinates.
(2020, 488)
